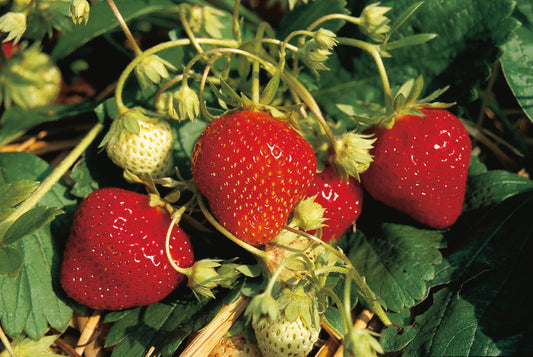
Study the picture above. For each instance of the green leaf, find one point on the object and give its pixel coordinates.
(397, 262)
(16, 121)
(14, 193)
(26, 347)
(517, 60)
(303, 16)
(485, 310)
(493, 187)
(102, 20)
(185, 136)
(468, 42)
(11, 261)
(29, 223)
(396, 338)
(163, 325)
(32, 302)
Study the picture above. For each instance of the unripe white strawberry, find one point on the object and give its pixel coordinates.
(141, 144)
(29, 78)
(285, 338)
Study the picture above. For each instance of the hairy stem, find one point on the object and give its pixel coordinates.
(56, 174)
(359, 280)
(255, 251)
(6, 343)
(374, 51)
(125, 28)
(160, 47)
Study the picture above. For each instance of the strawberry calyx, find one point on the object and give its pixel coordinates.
(352, 155)
(308, 214)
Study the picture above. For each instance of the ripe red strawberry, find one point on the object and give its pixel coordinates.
(253, 169)
(420, 167)
(343, 201)
(115, 255)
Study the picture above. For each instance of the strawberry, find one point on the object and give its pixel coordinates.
(253, 169)
(8, 48)
(420, 167)
(295, 329)
(29, 78)
(115, 255)
(342, 200)
(141, 144)
(285, 338)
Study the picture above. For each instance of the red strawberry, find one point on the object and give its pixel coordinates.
(253, 169)
(115, 255)
(420, 167)
(8, 48)
(343, 201)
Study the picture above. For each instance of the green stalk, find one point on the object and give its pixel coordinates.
(160, 47)
(6, 343)
(125, 28)
(291, 80)
(359, 280)
(352, 19)
(373, 50)
(56, 174)
(255, 251)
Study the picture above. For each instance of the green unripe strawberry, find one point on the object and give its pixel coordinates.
(29, 78)
(141, 144)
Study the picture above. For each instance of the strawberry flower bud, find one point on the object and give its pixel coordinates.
(362, 343)
(325, 39)
(205, 20)
(152, 70)
(314, 55)
(181, 104)
(186, 101)
(308, 214)
(79, 11)
(373, 22)
(353, 154)
(165, 105)
(14, 23)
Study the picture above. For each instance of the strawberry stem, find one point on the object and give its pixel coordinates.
(6, 343)
(374, 51)
(159, 47)
(182, 8)
(352, 19)
(28, 7)
(176, 216)
(255, 251)
(359, 280)
(55, 175)
(125, 28)
(279, 270)
(235, 26)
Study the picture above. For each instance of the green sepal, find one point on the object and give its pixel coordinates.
(262, 306)
(270, 90)
(130, 124)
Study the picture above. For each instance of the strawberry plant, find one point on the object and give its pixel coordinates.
(299, 178)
